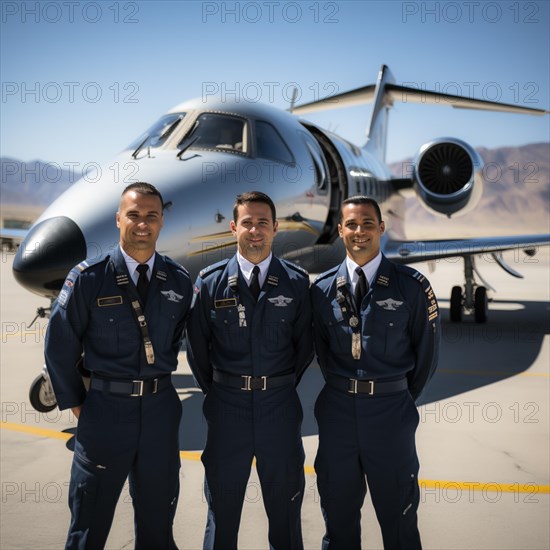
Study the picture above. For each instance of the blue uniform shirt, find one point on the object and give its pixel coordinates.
(399, 326)
(229, 331)
(94, 315)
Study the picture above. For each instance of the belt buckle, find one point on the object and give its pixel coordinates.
(352, 385)
(140, 390)
(246, 382)
(371, 387)
(155, 386)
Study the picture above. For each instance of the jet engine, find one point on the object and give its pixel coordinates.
(447, 176)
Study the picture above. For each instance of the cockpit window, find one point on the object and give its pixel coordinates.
(158, 133)
(269, 143)
(216, 131)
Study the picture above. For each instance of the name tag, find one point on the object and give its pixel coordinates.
(228, 302)
(109, 301)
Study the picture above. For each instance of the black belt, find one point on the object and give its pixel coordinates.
(131, 388)
(369, 387)
(249, 383)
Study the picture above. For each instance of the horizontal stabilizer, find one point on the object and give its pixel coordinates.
(405, 94)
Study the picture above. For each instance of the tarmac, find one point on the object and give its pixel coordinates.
(483, 439)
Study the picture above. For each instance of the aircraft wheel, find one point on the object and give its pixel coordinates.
(41, 395)
(481, 305)
(456, 304)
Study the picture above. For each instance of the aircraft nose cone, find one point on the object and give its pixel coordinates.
(45, 257)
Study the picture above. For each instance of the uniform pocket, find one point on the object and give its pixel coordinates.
(390, 336)
(85, 480)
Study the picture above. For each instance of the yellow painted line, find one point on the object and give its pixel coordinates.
(35, 430)
(434, 484)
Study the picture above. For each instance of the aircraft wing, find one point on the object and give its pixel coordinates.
(422, 251)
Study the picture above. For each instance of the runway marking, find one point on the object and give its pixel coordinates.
(437, 484)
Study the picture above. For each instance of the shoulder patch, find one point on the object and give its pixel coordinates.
(431, 300)
(326, 274)
(212, 268)
(71, 278)
(295, 267)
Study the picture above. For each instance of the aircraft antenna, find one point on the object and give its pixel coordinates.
(293, 99)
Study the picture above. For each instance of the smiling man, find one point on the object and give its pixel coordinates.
(377, 337)
(249, 342)
(126, 312)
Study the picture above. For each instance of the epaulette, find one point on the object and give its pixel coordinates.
(411, 272)
(87, 264)
(214, 267)
(332, 271)
(175, 264)
(296, 268)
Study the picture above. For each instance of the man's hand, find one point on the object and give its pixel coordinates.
(76, 411)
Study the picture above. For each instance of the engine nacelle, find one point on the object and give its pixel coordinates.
(447, 176)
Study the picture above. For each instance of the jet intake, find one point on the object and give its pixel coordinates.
(447, 176)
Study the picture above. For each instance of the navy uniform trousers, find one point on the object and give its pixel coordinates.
(238, 430)
(372, 437)
(120, 437)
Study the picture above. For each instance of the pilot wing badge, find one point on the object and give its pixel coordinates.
(172, 296)
(280, 301)
(390, 304)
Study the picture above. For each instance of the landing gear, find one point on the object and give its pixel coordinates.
(456, 304)
(481, 305)
(41, 393)
(474, 299)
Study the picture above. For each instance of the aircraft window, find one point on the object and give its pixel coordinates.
(156, 135)
(213, 131)
(270, 144)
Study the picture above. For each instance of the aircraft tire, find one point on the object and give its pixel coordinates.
(481, 305)
(41, 395)
(456, 304)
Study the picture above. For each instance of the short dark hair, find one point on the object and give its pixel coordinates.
(362, 199)
(253, 196)
(144, 188)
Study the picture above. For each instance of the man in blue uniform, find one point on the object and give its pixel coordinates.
(377, 336)
(126, 312)
(249, 342)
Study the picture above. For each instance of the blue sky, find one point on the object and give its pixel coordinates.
(81, 80)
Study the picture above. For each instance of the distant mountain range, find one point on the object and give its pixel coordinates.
(516, 195)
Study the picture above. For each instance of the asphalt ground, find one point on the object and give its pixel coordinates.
(483, 438)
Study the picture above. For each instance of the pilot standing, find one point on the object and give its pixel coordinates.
(249, 342)
(126, 312)
(377, 336)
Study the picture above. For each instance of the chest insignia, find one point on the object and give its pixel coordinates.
(280, 301)
(390, 304)
(172, 296)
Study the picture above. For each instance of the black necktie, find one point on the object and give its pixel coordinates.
(361, 288)
(255, 282)
(143, 282)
